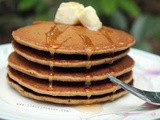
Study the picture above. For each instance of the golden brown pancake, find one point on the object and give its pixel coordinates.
(73, 39)
(71, 74)
(61, 60)
(66, 88)
(66, 100)
(50, 59)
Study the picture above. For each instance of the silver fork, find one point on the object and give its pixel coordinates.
(148, 96)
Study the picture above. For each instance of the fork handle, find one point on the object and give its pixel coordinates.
(135, 91)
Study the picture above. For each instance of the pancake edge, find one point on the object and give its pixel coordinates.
(70, 93)
(70, 65)
(24, 93)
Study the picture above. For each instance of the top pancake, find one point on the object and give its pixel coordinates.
(73, 39)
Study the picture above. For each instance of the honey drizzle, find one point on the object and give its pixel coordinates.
(111, 61)
(50, 78)
(87, 85)
(88, 81)
(89, 50)
(51, 36)
(52, 46)
(89, 94)
(106, 34)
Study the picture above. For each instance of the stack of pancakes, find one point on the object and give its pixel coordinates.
(68, 64)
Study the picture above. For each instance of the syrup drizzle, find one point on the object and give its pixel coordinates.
(87, 85)
(111, 61)
(88, 81)
(107, 35)
(51, 36)
(52, 46)
(50, 87)
(89, 94)
(89, 50)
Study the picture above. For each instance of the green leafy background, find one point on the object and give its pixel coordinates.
(126, 15)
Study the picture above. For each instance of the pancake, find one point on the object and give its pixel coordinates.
(97, 73)
(66, 100)
(66, 88)
(61, 60)
(49, 62)
(69, 39)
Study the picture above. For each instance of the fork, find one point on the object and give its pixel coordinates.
(148, 96)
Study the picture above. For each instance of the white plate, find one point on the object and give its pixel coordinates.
(146, 75)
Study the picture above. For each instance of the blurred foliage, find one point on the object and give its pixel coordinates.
(144, 28)
(121, 14)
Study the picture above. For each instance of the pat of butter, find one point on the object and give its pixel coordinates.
(68, 13)
(89, 19)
